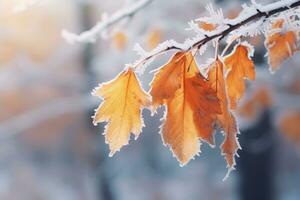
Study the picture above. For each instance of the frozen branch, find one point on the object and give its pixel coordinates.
(254, 13)
(92, 34)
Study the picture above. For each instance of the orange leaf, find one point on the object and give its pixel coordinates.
(205, 105)
(123, 99)
(207, 26)
(289, 126)
(167, 80)
(259, 101)
(239, 66)
(280, 45)
(226, 119)
(191, 103)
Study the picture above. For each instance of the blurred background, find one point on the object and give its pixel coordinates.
(49, 149)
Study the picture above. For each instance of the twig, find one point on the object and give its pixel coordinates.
(92, 34)
(262, 12)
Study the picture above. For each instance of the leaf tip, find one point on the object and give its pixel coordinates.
(111, 154)
(230, 169)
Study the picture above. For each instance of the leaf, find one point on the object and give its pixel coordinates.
(233, 13)
(239, 66)
(294, 86)
(123, 99)
(207, 26)
(120, 40)
(226, 119)
(154, 38)
(259, 101)
(205, 105)
(280, 44)
(167, 80)
(289, 125)
(191, 104)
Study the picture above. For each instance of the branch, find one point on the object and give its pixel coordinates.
(92, 34)
(257, 12)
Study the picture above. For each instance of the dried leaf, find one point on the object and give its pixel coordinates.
(205, 105)
(123, 99)
(191, 104)
(167, 80)
(239, 66)
(226, 119)
(179, 131)
(280, 44)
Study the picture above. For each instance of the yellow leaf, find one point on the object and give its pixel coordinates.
(226, 119)
(123, 99)
(280, 45)
(239, 66)
(191, 104)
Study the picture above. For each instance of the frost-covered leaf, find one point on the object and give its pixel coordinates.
(191, 104)
(280, 44)
(240, 67)
(207, 26)
(123, 99)
(226, 119)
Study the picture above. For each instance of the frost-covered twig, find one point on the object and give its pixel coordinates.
(92, 34)
(251, 14)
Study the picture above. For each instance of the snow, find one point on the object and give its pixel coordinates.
(147, 57)
(249, 47)
(217, 15)
(252, 30)
(278, 4)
